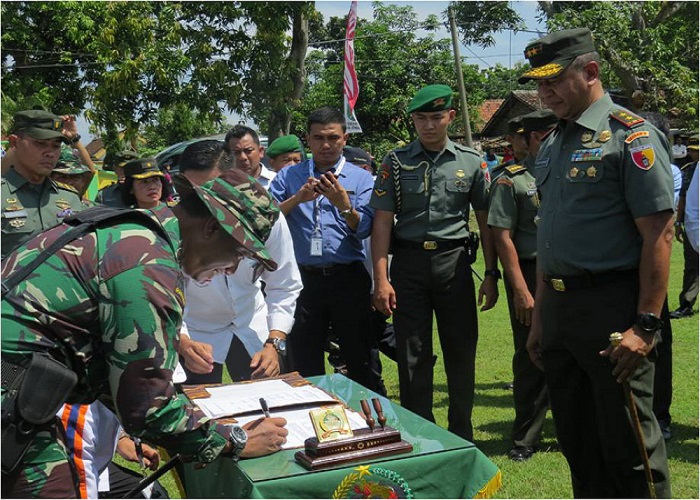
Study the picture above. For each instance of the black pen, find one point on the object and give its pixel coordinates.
(265, 409)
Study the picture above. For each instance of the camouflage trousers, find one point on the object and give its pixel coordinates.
(45, 471)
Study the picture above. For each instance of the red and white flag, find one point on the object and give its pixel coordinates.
(351, 90)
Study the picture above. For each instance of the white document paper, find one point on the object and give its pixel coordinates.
(236, 399)
(300, 427)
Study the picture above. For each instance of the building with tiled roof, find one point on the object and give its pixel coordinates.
(519, 102)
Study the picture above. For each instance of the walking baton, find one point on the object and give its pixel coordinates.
(153, 477)
(615, 339)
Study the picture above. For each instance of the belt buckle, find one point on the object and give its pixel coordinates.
(558, 284)
(430, 245)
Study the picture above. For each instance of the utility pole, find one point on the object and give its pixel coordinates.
(460, 79)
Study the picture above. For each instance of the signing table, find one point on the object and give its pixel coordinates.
(441, 465)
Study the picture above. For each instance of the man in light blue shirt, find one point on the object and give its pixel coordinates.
(326, 203)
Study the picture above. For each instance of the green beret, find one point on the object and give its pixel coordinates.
(542, 119)
(39, 124)
(142, 169)
(551, 55)
(284, 144)
(241, 206)
(515, 125)
(431, 98)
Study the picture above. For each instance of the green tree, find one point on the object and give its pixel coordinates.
(179, 123)
(392, 63)
(650, 49)
(478, 20)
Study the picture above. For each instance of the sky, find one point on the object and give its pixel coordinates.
(507, 50)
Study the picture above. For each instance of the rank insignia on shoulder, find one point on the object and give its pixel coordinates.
(627, 119)
(636, 135)
(643, 156)
(514, 169)
(380, 192)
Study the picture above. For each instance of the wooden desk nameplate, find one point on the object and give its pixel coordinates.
(365, 444)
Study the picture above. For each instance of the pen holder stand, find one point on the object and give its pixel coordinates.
(362, 445)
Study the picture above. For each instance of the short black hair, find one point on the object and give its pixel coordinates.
(240, 131)
(204, 156)
(326, 116)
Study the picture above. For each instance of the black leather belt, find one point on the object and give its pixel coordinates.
(430, 245)
(330, 269)
(569, 283)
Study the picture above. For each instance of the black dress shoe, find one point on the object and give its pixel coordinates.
(508, 386)
(521, 453)
(681, 312)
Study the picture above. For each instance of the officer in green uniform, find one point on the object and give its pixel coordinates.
(103, 314)
(111, 196)
(31, 201)
(516, 139)
(512, 216)
(429, 185)
(603, 249)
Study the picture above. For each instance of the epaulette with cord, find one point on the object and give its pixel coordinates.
(83, 222)
(396, 179)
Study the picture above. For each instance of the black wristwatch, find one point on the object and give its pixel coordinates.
(238, 438)
(649, 323)
(496, 273)
(279, 344)
(76, 138)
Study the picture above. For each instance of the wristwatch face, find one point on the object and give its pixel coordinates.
(649, 322)
(238, 436)
(280, 345)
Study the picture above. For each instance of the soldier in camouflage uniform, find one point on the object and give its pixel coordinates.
(31, 201)
(112, 313)
(71, 172)
(111, 196)
(512, 212)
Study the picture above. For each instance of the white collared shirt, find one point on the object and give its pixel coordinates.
(235, 305)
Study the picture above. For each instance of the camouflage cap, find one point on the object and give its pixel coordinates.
(542, 119)
(118, 159)
(39, 124)
(70, 167)
(284, 144)
(142, 168)
(515, 125)
(431, 98)
(242, 207)
(551, 55)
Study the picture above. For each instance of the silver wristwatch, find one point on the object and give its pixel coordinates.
(238, 438)
(279, 344)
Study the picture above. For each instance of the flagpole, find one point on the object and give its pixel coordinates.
(351, 89)
(460, 79)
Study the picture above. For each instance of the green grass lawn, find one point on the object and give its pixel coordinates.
(546, 475)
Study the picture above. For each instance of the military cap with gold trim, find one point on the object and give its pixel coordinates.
(142, 169)
(693, 142)
(431, 98)
(542, 119)
(515, 125)
(284, 144)
(39, 124)
(551, 55)
(118, 159)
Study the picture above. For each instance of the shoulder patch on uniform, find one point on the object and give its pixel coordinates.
(636, 135)
(515, 169)
(504, 180)
(66, 187)
(628, 119)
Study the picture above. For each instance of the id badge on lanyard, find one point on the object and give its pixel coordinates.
(316, 249)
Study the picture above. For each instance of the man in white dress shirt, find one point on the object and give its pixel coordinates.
(231, 321)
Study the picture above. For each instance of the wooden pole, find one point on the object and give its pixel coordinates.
(460, 79)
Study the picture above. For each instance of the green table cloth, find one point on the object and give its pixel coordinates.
(441, 465)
